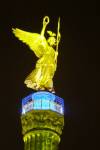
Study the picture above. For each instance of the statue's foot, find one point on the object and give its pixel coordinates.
(51, 90)
(42, 89)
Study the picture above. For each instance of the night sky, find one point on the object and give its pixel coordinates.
(76, 77)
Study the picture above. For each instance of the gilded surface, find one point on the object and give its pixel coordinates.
(41, 78)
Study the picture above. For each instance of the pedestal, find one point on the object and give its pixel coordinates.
(42, 120)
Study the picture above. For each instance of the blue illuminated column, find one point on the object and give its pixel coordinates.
(42, 120)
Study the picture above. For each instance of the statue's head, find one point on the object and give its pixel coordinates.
(51, 40)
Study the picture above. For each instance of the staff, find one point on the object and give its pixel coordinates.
(58, 34)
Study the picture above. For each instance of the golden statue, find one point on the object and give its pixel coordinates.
(41, 77)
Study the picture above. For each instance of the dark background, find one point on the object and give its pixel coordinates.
(76, 77)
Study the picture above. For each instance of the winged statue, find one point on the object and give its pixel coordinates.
(41, 78)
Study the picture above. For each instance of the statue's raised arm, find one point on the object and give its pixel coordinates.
(46, 50)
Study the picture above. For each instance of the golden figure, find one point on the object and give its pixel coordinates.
(41, 77)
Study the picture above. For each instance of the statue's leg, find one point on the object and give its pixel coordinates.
(49, 86)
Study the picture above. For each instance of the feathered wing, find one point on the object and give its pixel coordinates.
(35, 41)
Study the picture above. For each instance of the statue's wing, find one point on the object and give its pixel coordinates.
(35, 41)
